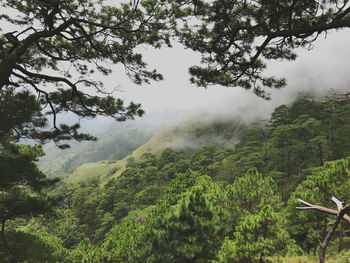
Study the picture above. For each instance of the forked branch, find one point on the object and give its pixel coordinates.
(341, 213)
(322, 208)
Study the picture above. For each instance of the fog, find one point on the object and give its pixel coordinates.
(316, 71)
(175, 102)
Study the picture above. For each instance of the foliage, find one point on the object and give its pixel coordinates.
(119, 244)
(189, 231)
(59, 45)
(163, 208)
(22, 185)
(332, 179)
(248, 195)
(237, 38)
(49, 66)
(260, 235)
(38, 246)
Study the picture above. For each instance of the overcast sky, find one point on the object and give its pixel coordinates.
(324, 67)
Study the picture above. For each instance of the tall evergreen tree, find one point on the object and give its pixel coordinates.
(21, 184)
(21, 181)
(191, 230)
(260, 235)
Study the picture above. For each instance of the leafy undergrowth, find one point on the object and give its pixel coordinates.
(339, 258)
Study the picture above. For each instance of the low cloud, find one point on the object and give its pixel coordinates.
(316, 72)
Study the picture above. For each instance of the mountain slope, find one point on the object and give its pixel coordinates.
(185, 135)
(115, 141)
(189, 136)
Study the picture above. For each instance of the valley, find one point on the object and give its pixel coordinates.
(220, 178)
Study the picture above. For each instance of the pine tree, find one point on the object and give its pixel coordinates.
(21, 184)
(55, 48)
(260, 235)
(191, 230)
(237, 38)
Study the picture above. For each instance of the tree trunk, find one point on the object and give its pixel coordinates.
(328, 237)
(341, 213)
(282, 190)
(5, 72)
(12, 257)
(261, 259)
(341, 235)
(321, 154)
(288, 164)
(4, 238)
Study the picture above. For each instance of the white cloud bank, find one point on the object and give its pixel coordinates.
(324, 67)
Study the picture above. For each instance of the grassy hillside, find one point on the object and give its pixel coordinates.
(102, 169)
(184, 136)
(115, 141)
(188, 137)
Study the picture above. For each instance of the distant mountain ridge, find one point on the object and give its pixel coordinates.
(115, 141)
(186, 136)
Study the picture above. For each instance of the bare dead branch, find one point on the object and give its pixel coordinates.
(341, 213)
(338, 203)
(321, 209)
(324, 244)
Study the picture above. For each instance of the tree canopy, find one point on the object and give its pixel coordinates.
(236, 38)
(22, 185)
(171, 206)
(58, 49)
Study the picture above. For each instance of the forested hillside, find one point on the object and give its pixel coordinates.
(213, 204)
(185, 134)
(200, 192)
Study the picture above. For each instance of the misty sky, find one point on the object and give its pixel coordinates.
(324, 67)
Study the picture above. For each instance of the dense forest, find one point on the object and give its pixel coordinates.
(231, 202)
(216, 204)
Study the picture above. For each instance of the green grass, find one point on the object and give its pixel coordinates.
(333, 258)
(89, 170)
(185, 137)
(296, 259)
(180, 136)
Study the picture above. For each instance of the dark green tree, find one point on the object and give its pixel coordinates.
(294, 144)
(84, 202)
(248, 195)
(260, 235)
(236, 38)
(206, 159)
(337, 127)
(177, 190)
(54, 49)
(21, 184)
(249, 152)
(190, 231)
